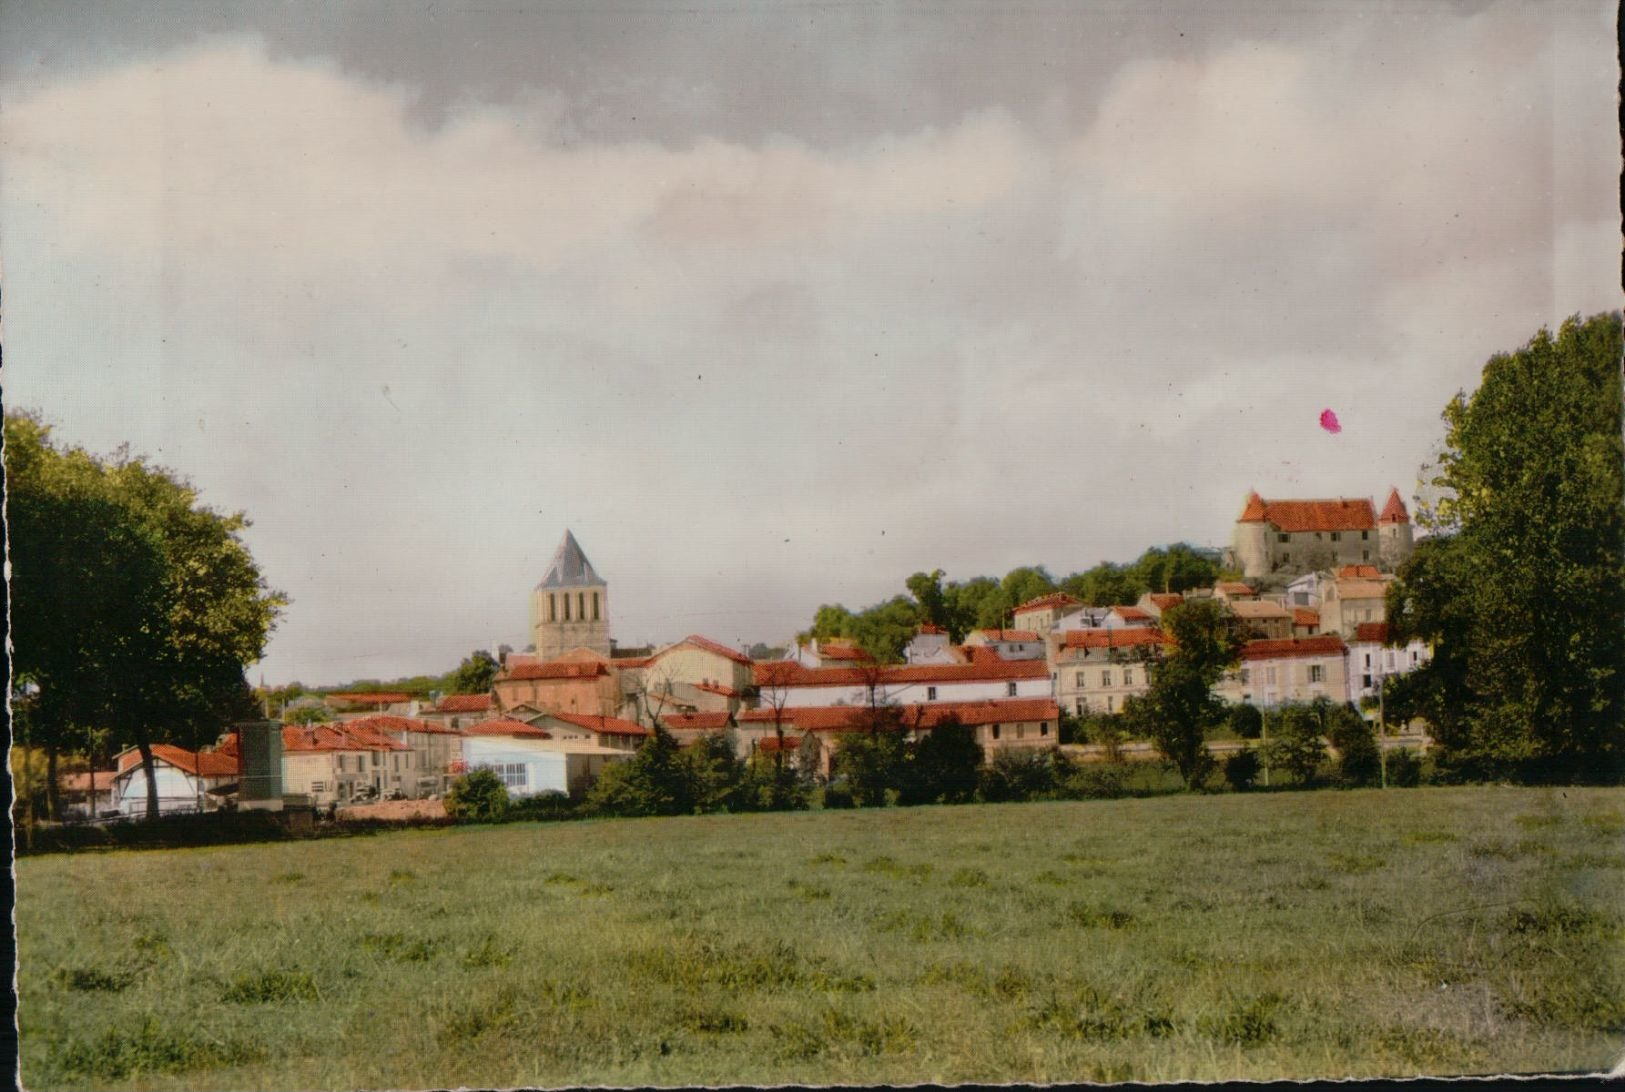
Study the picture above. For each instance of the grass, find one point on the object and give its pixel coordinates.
(1461, 930)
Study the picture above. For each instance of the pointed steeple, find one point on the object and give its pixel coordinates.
(1254, 512)
(570, 567)
(1394, 511)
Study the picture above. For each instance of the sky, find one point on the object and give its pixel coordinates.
(773, 304)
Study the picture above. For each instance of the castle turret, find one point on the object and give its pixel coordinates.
(570, 607)
(1251, 541)
(1394, 540)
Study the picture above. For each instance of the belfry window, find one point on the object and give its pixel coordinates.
(595, 606)
(566, 606)
(552, 607)
(581, 605)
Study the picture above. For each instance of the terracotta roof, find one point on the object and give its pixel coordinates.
(1234, 587)
(695, 722)
(1253, 511)
(842, 652)
(774, 672)
(717, 688)
(846, 718)
(555, 669)
(1372, 632)
(196, 763)
(980, 654)
(927, 627)
(626, 662)
(504, 726)
(1114, 638)
(1304, 616)
(1009, 634)
(606, 726)
(1361, 589)
(1394, 511)
(1257, 608)
(710, 646)
(1359, 572)
(1333, 514)
(365, 697)
(1131, 614)
(383, 722)
(1164, 600)
(1287, 648)
(80, 782)
(1045, 602)
(796, 675)
(464, 703)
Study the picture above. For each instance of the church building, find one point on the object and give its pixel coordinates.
(570, 607)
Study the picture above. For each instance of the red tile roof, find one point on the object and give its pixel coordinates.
(504, 726)
(1362, 589)
(1304, 616)
(1328, 644)
(717, 688)
(1372, 632)
(847, 718)
(710, 646)
(1008, 634)
(1253, 512)
(1046, 602)
(627, 662)
(980, 654)
(1394, 511)
(555, 669)
(196, 763)
(1114, 638)
(793, 674)
(364, 697)
(1359, 572)
(774, 743)
(383, 722)
(464, 703)
(1258, 608)
(1334, 514)
(606, 726)
(1164, 600)
(695, 722)
(774, 672)
(1234, 587)
(1131, 614)
(842, 652)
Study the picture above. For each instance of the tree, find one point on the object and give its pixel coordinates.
(1359, 762)
(1175, 568)
(307, 714)
(1017, 775)
(1105, 585)
(1246, 721)
(942, 766)
(655, 781)
(1521, 587)
(1295, 741)
(715, 772)
(930, 599)
(872, 756)
(134, 607)
(1026, 583)
(478, 796)
(1179, 707)
(475, 674)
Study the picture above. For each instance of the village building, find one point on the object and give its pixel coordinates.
(569, 608)
(1274, 537)
(1303, 591)
(1127, 618)
(1043, 613)
(432, 749)
(928, 646)
(1234, 591)
(461, 710)
(828, 652)
(694, 675)
(531, 761)
(1350, 601)
(1097, 670)
(88, 795)
(1279, 672)
(1008, 644)
(609, 733)
(184, 779)
(1155, 604)
(783, 683)
(1305, 622)
(578, 681)
(1371, 661)
(1261, 618)
(1084, 617)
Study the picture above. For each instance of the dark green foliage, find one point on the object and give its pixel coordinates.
(1246, 721)
(716, 777)
(1522, 587)
(307, 714)
(838, 795)
(1179, 708)
(542, 806)
(873, 763)
(1090, 780)
(475, 674)
(477, 797)
(1241, 770)
(942, 767)
(657, 781)
(118, 1054)
(1404, 768)
(1295, 741)
(1017, 775)
(1358, 760)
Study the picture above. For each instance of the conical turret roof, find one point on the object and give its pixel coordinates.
(570, 567)
(1254, 512)
(1394, 511)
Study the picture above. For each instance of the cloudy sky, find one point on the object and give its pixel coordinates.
(773, 303)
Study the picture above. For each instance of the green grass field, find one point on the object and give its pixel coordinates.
(1287, 935)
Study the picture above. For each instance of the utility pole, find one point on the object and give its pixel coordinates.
(1382, 729)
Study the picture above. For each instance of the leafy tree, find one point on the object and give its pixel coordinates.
(1295, 741)
(1358, 760)
(930, 598)
(1025, 583)
(1179, 707)
(716, 774)
(871, 759)
(1175, 568)
(1105, 585)
(942, 766)
(1246, 721)
(475, 674)
(307, 714)
(979, 603)
(655, 781)
(1241, 770)
(1017, 775)
(1522, 587)
(478, 796)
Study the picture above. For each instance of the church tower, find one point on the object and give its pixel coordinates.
(570, 607)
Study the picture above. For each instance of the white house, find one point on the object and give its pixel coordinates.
(1010, 644)
(785, 684)
(184, 779)
(1370, 660)
(929, 646)
(530, 762)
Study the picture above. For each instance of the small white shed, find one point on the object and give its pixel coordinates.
(530, 766)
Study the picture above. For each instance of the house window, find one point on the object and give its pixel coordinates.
(1368, 661)
(1246, 676)
(1269, 676)
(1080, 682)
(1365, 536)
(515, 775)
(995, 731)
(1010, 690)
(581, 605)
(318, 786)
(1105, 678)
(1337, 536)
(930, 693)
(1283, 538)
(1365, 555)
(1109, 702)
(1021, 731)
(1286, 559)
(1128, 676)
(1080, 707)
(1043, 729)
(1317, 673)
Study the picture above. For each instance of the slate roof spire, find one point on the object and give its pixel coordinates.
(570, 567)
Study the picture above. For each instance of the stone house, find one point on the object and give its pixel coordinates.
(1297, 536)
(1043, 613)
(1279, 672)
(1097, 670)
(1261, 618)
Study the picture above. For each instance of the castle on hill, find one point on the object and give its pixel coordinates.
(1289, 537)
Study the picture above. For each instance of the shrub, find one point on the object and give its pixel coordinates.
(1241, 770)
(1404, 768)
(1296, 744)
(1094, 781)
(478, 797)
(1246, 721)
(657, 781)
(1017, 775)
(838, 795)
(873, 764)
(942, 767)
(1359, 762)
(542, 806)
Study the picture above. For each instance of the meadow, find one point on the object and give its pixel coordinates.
(1428, 931)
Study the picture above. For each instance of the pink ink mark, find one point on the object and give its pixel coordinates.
(1329, 422)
